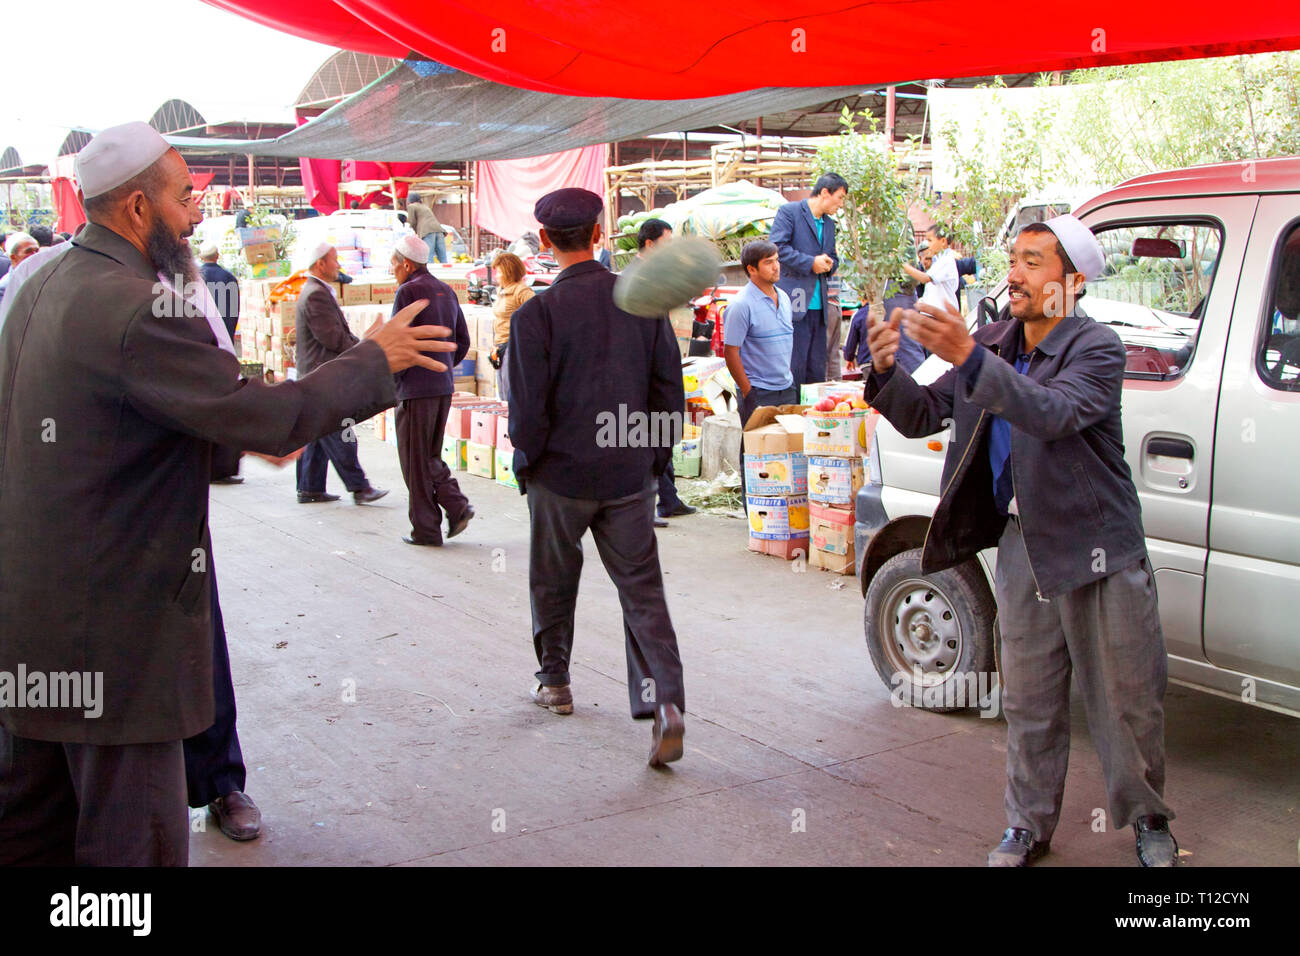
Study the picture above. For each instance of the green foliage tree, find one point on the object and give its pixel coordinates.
(875, 236)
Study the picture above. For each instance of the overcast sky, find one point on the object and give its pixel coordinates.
(96, 64)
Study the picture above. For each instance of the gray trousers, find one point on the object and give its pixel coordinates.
(1107, 634)
(623, 529)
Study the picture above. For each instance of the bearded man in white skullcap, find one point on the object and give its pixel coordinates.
(424, 402)
(119, 380)
(1036, 469)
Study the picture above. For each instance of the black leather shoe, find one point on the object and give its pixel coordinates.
(462, 523)
(682, 509)
(237, 815)
(661, 522)
(1018, 848)
(367, 495)
(1156, 846)
(666, 741)
(313, 497)
(228, 480)
(421, 542)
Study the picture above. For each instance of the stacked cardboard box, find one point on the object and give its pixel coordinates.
(687, 453)
(505, 456)
(776, 481)
(835, 442)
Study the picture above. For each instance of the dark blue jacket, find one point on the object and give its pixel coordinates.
(910, 354)
(1079, 511)
(443, 309)
(795, 236)
(224, 288)
(596, 397)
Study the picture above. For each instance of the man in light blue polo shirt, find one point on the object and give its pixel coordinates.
(758, 333)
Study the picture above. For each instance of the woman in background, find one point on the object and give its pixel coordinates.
(512, 292)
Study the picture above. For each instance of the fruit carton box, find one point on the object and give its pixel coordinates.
(777, 518)
(834, 481)
(480, 459)
(454, 454)
(776, 475)
(787, 548)
(505, 462)
(483, 425)
(834, 434)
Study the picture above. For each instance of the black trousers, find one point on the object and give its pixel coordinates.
(669, 500)
(214, 764)
(312, 464)
(67, 804)
(623, 529)
(431, 487)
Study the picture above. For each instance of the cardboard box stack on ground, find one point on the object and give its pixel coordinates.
(687, 453)
(475, 420)
(776, 481)
(454, 453)
(836, 443)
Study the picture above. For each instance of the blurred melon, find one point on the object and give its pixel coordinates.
(671, 275)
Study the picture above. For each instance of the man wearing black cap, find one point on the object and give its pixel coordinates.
(595, 407)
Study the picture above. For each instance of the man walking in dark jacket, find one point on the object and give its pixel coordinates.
(424, 401)
(322, 334)
(596, 404)
(1036, 467)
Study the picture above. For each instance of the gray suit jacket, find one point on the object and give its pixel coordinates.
(108, 419)
(322, 334)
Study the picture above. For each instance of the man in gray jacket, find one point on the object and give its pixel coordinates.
(322, 335)
(115, 391)
(1036, 468)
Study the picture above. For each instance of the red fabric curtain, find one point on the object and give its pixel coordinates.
(675, 49)
(506, 190)
(68, 211)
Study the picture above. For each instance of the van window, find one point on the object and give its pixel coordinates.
(1152, 292)
(1278, 362)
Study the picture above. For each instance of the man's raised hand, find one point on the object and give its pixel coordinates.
(941, 330)
(404, 345)
(882, 338)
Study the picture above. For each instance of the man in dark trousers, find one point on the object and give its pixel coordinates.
(424, 401)
(322, 334)
(118, 592)
(651, 233)
(804, 234)
(1036, 468)
(596, 404)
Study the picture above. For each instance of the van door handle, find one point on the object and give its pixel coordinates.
(1170, 448)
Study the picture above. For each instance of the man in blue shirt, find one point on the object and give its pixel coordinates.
(804, 232)
(758, 333)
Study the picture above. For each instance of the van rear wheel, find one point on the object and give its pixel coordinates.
(931, 635)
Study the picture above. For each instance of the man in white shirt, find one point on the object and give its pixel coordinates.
(940, 278)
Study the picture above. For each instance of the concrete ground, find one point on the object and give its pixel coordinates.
(385, 719)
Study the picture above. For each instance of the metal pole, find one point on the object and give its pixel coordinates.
(252, 181)
(891, 107)
(476, 239)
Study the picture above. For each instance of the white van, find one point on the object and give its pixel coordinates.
(1202, 283)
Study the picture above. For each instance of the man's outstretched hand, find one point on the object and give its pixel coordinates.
(404, 344)
(883, 338)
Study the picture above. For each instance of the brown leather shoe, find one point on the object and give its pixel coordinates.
(558, 700)
(666, 742)
(237, 815)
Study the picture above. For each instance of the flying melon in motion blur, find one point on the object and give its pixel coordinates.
(669, 276)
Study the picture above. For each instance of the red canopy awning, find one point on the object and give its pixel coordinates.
(674, 49)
